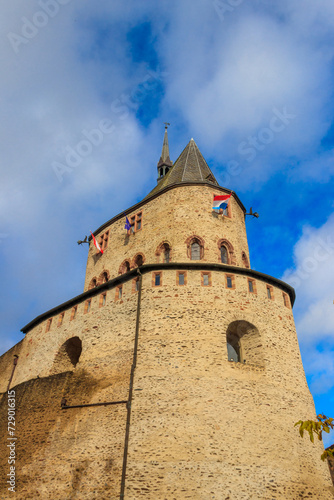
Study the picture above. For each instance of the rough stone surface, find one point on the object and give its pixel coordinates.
(201, 427)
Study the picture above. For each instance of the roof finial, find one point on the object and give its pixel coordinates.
(164, 163)
(165, 147)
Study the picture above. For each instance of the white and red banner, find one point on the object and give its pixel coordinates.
(96, 243)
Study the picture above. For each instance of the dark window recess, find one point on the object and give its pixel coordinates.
(181, 279)
(195, 251)
(205, 279)
(157, 280)
(223, 255)
(166, 253)
(232, 354)
(138, 222)
(250, 286)
(73, 348)
(268, 293)
(229, 282)
(139, 260)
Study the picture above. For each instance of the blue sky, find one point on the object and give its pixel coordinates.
(252, 83)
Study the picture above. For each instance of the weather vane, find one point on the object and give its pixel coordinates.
(166, 124)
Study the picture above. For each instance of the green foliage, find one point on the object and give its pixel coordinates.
(317, 427)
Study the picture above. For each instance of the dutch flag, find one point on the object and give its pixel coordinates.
(221, 201)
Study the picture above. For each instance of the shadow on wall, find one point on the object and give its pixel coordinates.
(68, 356)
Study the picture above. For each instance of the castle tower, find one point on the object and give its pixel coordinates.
(179, 365)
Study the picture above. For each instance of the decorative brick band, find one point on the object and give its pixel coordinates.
(147, 268)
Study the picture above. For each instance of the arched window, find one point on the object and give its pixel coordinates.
(163, 252)
(104, 277)
(223, 254)
(92, 284)
(138, 260)
(245, 260)
(195, 247)
(124, 267)
(226, 252)
(243, 343)
(195, 251)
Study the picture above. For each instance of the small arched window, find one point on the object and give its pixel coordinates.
(245, 260)
(195, 251)
(92, 284)
(226, 253)
(139, 260)
(244, 343)
(163, 252)
(223, 254)
(124, 267)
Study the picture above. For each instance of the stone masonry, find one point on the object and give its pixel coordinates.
(186, 422)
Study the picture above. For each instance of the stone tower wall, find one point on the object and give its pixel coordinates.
(201, 426)
(173, 217)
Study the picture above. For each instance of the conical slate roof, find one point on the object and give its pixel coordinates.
(189, 167)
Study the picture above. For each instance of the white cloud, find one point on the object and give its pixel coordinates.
(313, 278)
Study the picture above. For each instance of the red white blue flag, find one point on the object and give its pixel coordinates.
(221, 201)
(96, 243)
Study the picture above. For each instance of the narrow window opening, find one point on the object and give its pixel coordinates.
(223, 254)
(139, 260)
(166, 253)
(61, 318)
(74, 312)
(138, 222)
(268, 292)
(48, 325)
(181, 279)
(157, 280)
(88, 305)
(229, 282)
(195, 251)
(103, 299)
(233, 348)
(250, 286)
